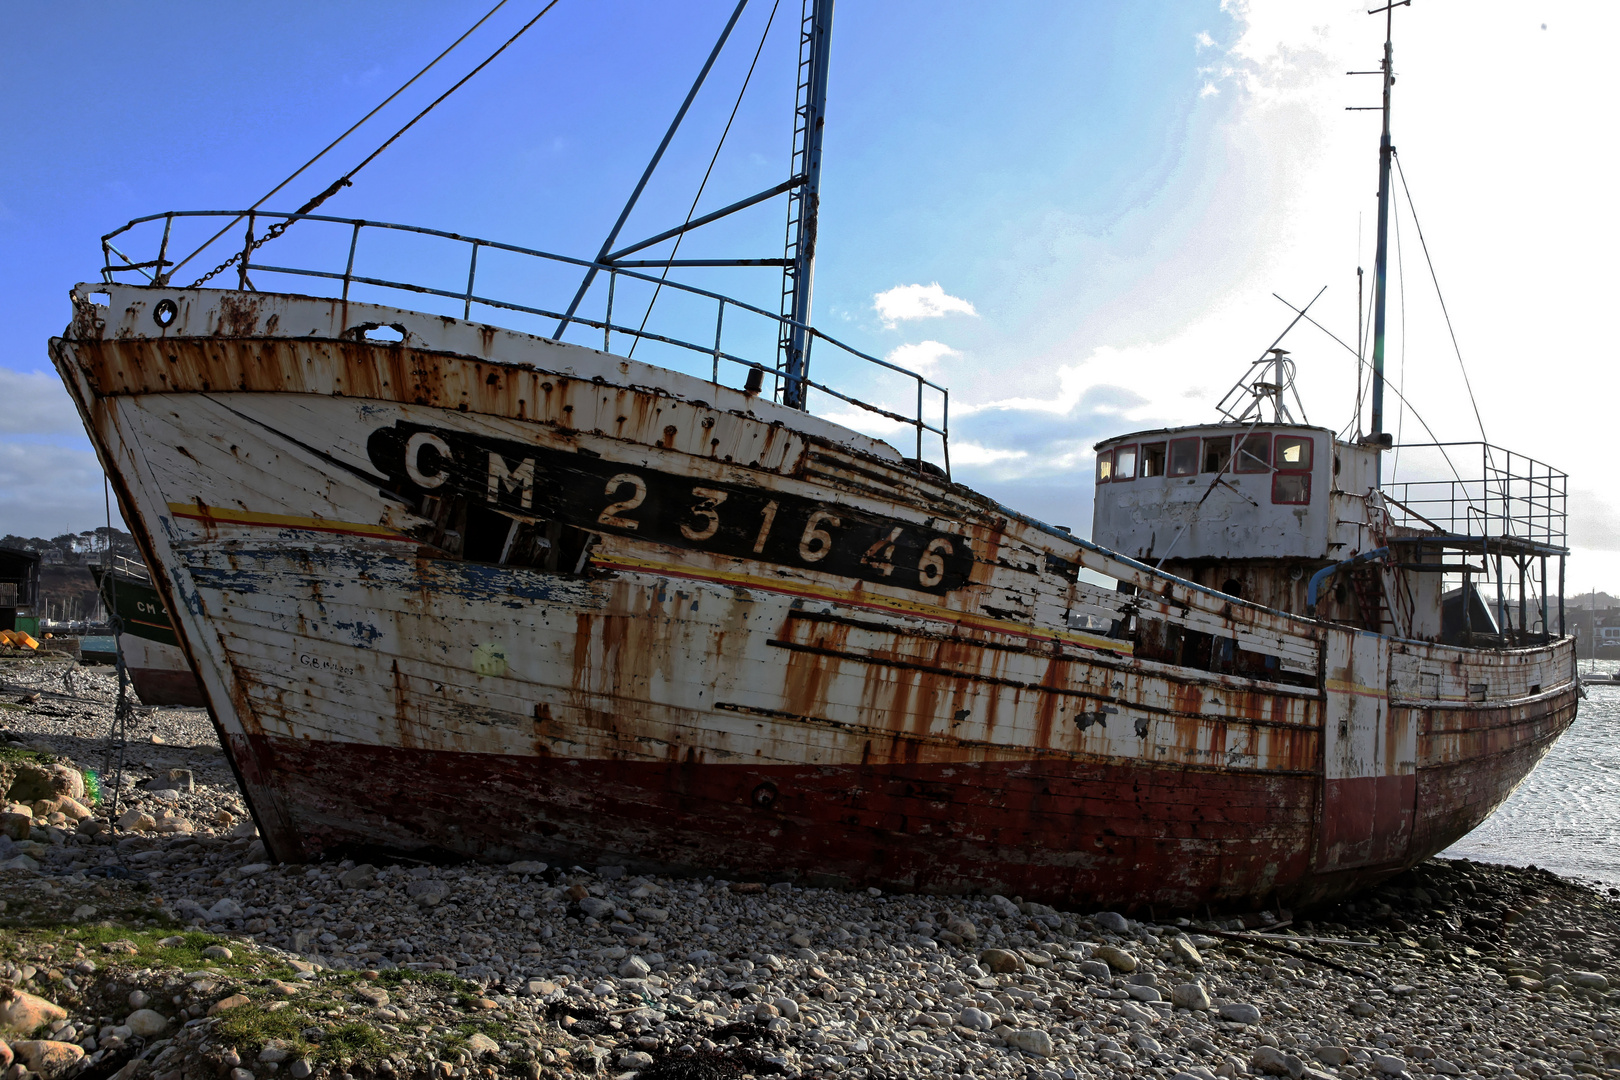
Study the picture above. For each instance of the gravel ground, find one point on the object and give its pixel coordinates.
(1454, 969)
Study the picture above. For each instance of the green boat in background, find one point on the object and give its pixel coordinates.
(157, 665)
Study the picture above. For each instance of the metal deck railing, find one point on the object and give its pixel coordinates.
(1495, 494)
(158, 270)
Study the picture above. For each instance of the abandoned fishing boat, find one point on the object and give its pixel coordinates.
(157, 665)
(463, 590)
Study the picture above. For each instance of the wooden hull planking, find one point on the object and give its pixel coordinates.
(737, 682)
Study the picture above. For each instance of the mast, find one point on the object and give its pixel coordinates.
(1381, 263)
(798, 271)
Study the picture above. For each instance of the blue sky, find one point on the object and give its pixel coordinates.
(1111, 192)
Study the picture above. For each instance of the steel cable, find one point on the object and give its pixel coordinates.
(716, 157)
(348, 178)
(329, 146)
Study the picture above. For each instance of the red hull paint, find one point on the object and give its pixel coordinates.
(1053, 829)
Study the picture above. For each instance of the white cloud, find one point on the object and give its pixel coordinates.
(966, 453)
(1204, 41)
(46, 490)
(920, 356)
(905, 302)
(36, 403)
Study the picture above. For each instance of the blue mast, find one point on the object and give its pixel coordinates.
(798, 273)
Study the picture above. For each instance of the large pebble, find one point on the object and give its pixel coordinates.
(1001, 961)
(1112, 921)
(147, 1022)
(1032, 1041)
(1272, 1061)
(1116, 958)
(363, 876)
(596, 907)
(223, 909)
(1334, 1056)
(1240, 1012)
(1389, 1064)
(47, 1057)
(976, 1019)
(1190, 995)
(31, 782)
(25, 1012)
(137, 821)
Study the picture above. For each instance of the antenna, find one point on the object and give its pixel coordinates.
(1252, 388)
(1376, 435)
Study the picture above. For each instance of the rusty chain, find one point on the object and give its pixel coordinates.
(269, 234)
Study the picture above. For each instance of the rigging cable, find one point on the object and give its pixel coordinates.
(348, 178)
(716, 157)
(329, 146)
(1362, 361)
(1443, 310)
(1400, 272)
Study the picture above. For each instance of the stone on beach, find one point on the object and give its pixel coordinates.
(47, 1057)
(147, 1022)
(1001, 961)
(1191, 995)
(24, 1013)
(31, 782)
(1239, 1012)
(1031, 1041)
(1116, 958)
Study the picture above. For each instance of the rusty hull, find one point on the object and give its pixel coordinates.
(697, 700)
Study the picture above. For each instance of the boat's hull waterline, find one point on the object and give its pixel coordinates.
(477, 594)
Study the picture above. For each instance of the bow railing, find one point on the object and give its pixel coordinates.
(511, 294)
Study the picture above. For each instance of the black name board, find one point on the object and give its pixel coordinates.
(591, 493)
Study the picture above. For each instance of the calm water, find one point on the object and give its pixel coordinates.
(1565, 817)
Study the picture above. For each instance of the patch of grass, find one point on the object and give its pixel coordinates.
(352, 1042)
(249, 1027)
(459, 1036)
(16, 755)
(493, 1028)
(438, 980)
(187, 954)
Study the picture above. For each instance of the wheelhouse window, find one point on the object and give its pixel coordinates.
(1153, 459)
(1291, 483)
(1254, 453)
(1217, 453)
(1125, 463)
(1294, 453)
(1183, 457)
(1105, 466)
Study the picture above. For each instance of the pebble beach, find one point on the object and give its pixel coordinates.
(159, 940)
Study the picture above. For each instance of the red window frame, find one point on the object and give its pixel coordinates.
(1259, 438)
(1136, 459)
(1142, 456)
(1213, 442)
(1310, 453)
(1170, 461)
(1105, 460)
(1296, 474)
